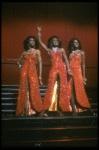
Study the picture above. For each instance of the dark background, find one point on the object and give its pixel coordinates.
(63, 19)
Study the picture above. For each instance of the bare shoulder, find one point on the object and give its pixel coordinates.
(38, 52)
(82, 52)
(23, 53)
(62, 50)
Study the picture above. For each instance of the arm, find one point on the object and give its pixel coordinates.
(40, 66)
(66, 62)
(40, 41)
(20, 58)
(83, 66)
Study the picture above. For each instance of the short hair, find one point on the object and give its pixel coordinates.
(71, 45)
(26, 43)
(50, 42)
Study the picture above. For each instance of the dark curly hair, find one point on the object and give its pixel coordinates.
(50, 42)
(71, 45)
(26, 43)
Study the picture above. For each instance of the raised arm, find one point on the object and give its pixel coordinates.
(66, 61)
(40, 66)
(83, 66)
(40, 41)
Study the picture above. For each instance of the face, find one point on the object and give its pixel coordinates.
(55, 42)
(31, 42)
(76, 43)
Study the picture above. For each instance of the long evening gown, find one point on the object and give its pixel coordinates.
(50, 99)
(29, 73)
(75, 69)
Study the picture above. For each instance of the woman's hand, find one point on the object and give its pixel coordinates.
(20, 66)
(69, 72)
(84, 79)
(40, 80)
(39, 28)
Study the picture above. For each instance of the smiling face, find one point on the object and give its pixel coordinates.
(76, 44)
(31, 42)
(55, 42)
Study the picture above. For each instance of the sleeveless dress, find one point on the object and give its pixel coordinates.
(75, 69)
(57, 67)
(29, 71)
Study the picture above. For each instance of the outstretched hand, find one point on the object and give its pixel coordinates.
(40, 80)
(38, 28)
(41, 83)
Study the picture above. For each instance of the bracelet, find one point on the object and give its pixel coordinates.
(20, 66)
(39, 34)
(68, 69)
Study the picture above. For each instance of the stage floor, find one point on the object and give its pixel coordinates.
(67, 131)
(53, 131)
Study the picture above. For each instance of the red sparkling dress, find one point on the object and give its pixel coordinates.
(75, 69)
(58, 67)
(29, 70)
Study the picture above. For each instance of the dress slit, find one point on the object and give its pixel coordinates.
(29, 109)
(55, 95)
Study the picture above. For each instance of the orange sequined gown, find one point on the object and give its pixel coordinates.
(75, 69)
(58, 67)
(29, 70)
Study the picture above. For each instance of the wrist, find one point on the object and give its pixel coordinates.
(68, 69)
(40, 77)
(20, 66)
(39, 34)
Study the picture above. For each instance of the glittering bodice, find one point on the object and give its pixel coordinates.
(29, 63)
(29, 56)
(29, 59)
(75, 60)
(56, 58)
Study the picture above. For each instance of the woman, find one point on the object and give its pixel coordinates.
(77, 68)
(57, 97)
(29, 99)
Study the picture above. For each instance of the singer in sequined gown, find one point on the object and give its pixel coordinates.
(29, 99)
(77, 67)
(57, 96)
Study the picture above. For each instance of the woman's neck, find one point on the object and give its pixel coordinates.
(31, 48)
(77, 48)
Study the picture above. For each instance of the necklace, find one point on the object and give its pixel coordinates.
(55, 49)
(34, 53)
(76, 52)
(29, 50)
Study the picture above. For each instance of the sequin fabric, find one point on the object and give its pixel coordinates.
(58, 67)
(54, 100)
(75, 68)
(29, 70)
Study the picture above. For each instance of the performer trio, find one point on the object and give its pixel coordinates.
(60, 91)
